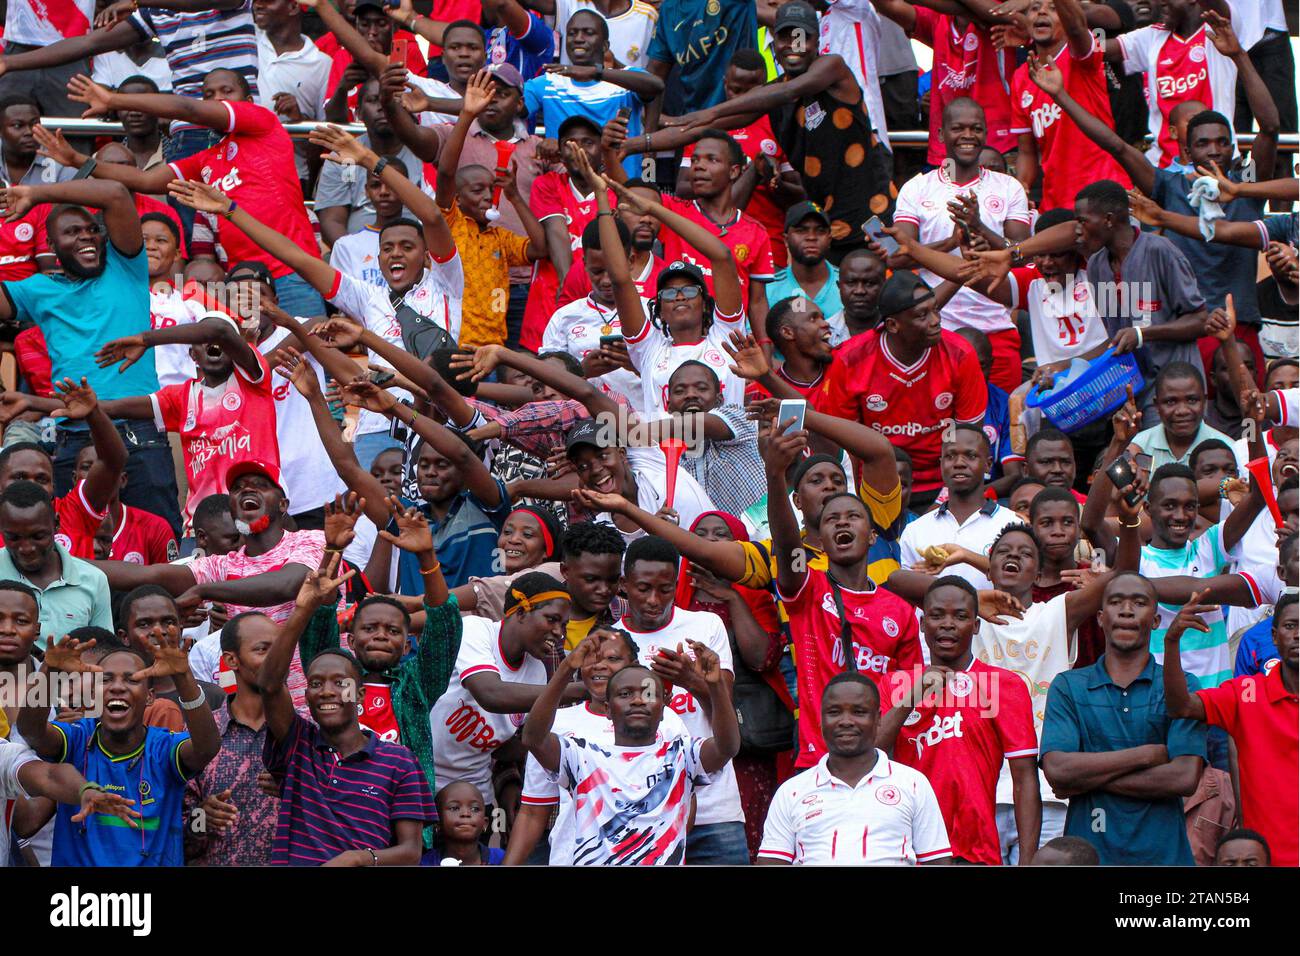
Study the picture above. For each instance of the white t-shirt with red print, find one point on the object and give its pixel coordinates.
(464, 731)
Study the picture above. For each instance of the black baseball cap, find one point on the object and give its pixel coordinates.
(899, 293)
(576, 120)
(802, 210)
(797, 13)
(681, 267)
(587, 432)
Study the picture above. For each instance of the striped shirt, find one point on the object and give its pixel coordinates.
(196, 43)
(329, 805)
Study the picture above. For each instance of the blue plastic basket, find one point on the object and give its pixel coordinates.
(1092, 395)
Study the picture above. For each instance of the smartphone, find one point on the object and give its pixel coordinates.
(381, 376)
(398, 53)
(1122, 473)
(791, 408)
(875, 230)
(607, 340)
(624, 114)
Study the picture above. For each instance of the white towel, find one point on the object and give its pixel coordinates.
(1204, 199)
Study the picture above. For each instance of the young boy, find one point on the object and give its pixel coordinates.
(465, 195)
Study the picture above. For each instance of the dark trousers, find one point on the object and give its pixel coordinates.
(903, 112)
(515, 314)
(1275, 63)
(150, 478)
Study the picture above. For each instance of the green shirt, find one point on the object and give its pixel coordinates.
(415, 684)
(77, 598)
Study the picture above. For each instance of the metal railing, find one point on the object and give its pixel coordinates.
(1289, 142)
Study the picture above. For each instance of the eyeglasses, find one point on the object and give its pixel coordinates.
(687, 292)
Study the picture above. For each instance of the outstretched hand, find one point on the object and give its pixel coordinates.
(82, 89)
(341, 516)
(127, 350)
(996, 606)
(200, 196)
(412, 526)
(1189, 617)
(78, 400)
(171, 655)
(65, 656)
(749, 361)
(100, 801)
(320, 582)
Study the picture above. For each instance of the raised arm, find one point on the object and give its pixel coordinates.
(1179, 700)
(1075, 24)
(784, 446)
(54, 144)
(348, 36)
(33, 721)
(946, 266)
(717, 751)
(1226, 232)
(1264, 150)
(1093, 520)
(536, 734)
(726, 279)
(345, 148)
(317, 586)
(117, 37)
(120, 216)
(171, 659)
(643, 83)
(209, 199)
(486, 358)
(478, 96)
(208, 330)
(1049, 79)
(79, 403)
(100, 102)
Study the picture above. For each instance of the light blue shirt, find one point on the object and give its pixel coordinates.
(1154, 443)
(550, 99)
(827, 298)
(77, 598)
(77, 316)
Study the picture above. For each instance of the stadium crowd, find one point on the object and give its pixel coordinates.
(573, 432)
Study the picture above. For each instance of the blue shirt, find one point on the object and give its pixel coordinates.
(528, 53)
(1088, 713)
(827, 298)
(700, 37)
(550, 99)
(465, 542)
(1256, 653)
(1220, 269)
(151, 776)
(77, 316)
(997, 428)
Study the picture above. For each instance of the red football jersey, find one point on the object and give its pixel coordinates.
(958, 740)
(885, 639)
(553, 195)
(377, 713)
(757, 139)
(253, 164)
(21, 241)
(966, 63)
(911, 404)
(1070, 160)
(745, 237)
(143, 538)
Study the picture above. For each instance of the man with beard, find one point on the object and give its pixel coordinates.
(854, 786)
(808, 238)
(1112, 746)
(347, 797)
(643, 231)
(103, 294)
(798, 329)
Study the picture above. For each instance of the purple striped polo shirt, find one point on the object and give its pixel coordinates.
(329, 805)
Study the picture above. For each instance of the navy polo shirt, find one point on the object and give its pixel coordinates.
(329, 804)
(1087, 712)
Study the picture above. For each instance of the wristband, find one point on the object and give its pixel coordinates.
(607, 212)
(1223, 487)
(379, 166)
(88, 785)
(1139, 332)
(1135, 524)
(87, 169)
(194, 704)
(437, 566)
(231, 211)
(374, 857)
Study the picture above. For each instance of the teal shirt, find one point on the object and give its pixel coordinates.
(827, 298)
(79, 597)
(1207, 654)
(77, 316)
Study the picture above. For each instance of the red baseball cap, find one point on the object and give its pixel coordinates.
(252, 466)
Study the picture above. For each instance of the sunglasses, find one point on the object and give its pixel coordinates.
(687, 292)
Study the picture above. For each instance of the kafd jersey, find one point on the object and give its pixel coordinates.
(958, 740)
(464, 732)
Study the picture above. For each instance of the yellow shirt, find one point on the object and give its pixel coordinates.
(575, 631)
(486, 255)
